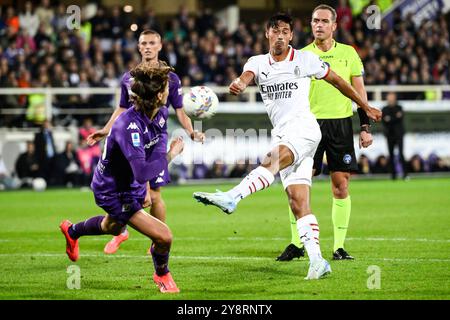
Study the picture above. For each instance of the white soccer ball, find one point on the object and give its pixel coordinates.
(39, 184)
(200, 102)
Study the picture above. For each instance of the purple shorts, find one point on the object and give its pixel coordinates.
(120, 207)
(163, 177)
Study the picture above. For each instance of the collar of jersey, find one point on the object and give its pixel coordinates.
(333, 46)
(289, 57)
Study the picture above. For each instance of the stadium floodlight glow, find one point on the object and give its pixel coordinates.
(128, 8)
(134, 27)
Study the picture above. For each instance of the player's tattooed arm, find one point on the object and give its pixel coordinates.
(240, 84)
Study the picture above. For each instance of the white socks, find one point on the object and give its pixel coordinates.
(260, 178)
(308, 230)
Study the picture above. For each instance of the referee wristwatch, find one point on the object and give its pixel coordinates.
(366, 128)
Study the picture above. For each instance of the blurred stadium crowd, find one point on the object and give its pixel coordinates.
(37, 49)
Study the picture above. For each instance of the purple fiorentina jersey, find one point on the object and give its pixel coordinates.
(132, 136)
(175, 99)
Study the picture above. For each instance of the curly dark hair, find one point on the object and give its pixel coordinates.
(148, 81)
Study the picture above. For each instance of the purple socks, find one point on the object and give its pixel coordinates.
(160, 261)
(89, 227)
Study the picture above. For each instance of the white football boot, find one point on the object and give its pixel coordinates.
(219, 199)
(318, 269)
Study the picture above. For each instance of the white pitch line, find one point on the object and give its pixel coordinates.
(208, 258)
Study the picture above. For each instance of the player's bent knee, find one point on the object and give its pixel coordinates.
(164, 238)
(109, 226)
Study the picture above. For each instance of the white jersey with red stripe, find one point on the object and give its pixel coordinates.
(284, 85)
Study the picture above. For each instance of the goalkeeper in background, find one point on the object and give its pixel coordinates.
(333, 112)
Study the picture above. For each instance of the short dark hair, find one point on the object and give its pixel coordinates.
(326, 7)
(280, 16)
(149, 31)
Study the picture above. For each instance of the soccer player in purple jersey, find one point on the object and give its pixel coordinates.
(127, 164)
(149, 47)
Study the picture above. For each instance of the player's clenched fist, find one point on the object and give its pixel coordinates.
(237, 86)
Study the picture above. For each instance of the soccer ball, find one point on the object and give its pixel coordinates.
(39, 184)
(200, 102)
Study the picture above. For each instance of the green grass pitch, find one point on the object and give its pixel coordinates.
(401, 228)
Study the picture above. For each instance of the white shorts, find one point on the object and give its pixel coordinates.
(302, 136)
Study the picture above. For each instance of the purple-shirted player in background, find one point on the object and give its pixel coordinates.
(149, 46)
(127, 164)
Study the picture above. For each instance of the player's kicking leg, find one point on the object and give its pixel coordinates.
(258, 179)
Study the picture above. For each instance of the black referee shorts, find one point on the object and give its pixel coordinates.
(337, 143)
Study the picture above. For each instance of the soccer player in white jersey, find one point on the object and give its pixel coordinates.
(283, 76)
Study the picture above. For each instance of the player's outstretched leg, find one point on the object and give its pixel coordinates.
(113, 245)
(258, 179)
